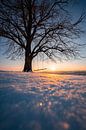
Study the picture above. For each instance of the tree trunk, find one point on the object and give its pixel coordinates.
(28, 62)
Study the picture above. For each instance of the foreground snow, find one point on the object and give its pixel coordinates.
(40, 101)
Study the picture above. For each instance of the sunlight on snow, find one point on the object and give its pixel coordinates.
(59, 99)
(66, 86)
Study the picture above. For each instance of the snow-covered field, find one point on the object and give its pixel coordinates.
(42, 101)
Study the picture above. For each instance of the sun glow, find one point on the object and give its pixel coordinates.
(52, 67)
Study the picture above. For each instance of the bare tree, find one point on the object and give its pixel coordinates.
(32, 27)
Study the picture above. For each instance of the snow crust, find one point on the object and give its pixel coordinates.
(42, 101)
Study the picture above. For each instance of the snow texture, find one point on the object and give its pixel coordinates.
(42, 101)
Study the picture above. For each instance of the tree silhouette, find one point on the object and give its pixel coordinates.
(32, 27)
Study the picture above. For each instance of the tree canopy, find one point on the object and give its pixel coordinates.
(32, 27)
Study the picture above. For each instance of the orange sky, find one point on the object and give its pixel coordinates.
(74, 65)
(49, 68)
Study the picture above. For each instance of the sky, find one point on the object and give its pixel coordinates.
(70, 65)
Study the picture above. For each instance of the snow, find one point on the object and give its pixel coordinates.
(42, 101)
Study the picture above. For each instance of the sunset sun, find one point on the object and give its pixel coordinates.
(52, 68)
